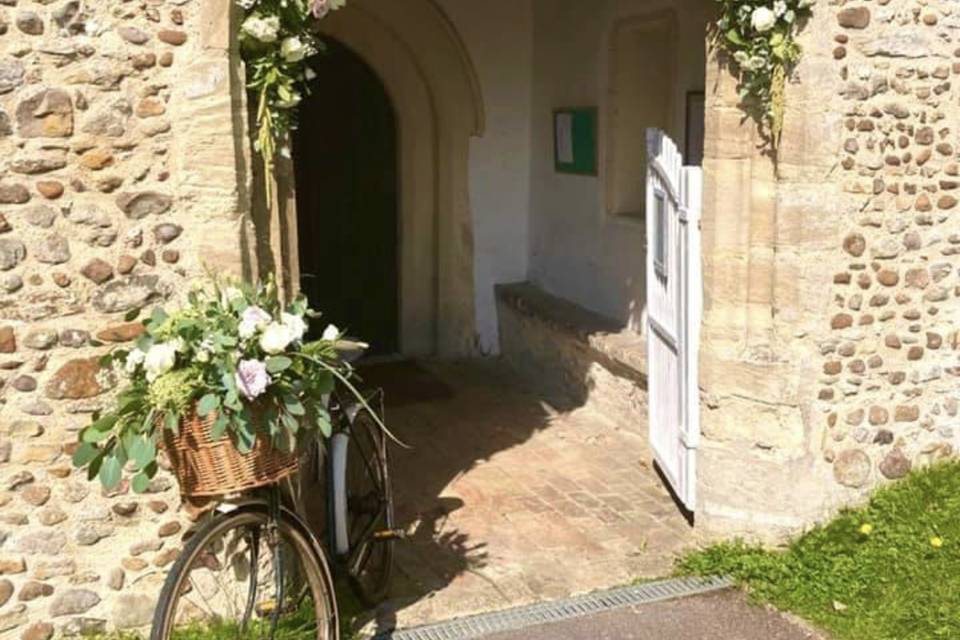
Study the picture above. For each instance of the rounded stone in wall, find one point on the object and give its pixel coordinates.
(73, 602)
(855, 244)
(851, 468)
(12, 253)
(854, 18)
(6, 591)
(38, 631)
(34, 589)
(895, 465)
(54, 249)
(133, 610)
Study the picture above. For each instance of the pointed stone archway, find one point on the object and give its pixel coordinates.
(427, 73)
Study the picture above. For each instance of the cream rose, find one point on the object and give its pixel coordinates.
(763, 19)
(294, 324)
(331, 333)
(160, 358)
(263, 29)
(293, 49)
(275, 338)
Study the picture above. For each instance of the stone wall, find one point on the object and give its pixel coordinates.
(888, 385)
(120, 177)
(829, 358)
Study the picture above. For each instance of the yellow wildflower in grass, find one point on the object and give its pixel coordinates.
(936, 542)
(866, 529)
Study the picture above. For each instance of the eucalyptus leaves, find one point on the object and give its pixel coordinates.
(277, 37)
(233, 354)
(760, 36)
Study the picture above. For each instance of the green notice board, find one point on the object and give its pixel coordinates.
(575, 140)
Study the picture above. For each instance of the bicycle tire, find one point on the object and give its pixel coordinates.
(369, 564)
(310, 560)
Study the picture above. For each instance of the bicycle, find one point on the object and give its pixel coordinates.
(257, 569)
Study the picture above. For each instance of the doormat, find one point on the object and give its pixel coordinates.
(405, 382)
(535, 615)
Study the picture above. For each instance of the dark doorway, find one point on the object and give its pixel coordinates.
(345, 158)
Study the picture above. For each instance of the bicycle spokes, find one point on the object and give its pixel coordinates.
(245, 584)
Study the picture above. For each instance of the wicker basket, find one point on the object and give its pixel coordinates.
(205, 467)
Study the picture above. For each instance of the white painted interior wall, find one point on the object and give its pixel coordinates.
(531, 223)
(498, 35)
(577, 250)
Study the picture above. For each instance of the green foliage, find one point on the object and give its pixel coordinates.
(887, 571)
(299, 626)
(234, 354)
(277, 37)
(760, 36)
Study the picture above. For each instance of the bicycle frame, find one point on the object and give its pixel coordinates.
(338, 446)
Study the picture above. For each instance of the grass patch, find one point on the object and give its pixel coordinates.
(887, 571)
(299, 626)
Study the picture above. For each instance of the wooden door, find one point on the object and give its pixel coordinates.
(345, 157)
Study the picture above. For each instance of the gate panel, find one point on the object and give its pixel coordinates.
(674, 305)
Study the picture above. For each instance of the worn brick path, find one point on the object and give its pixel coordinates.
(508, 501)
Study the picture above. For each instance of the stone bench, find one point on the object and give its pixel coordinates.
(572, 355)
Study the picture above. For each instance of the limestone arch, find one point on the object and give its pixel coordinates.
(427, 73)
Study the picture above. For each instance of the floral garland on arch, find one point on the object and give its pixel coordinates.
(760, 35)
(277, 38)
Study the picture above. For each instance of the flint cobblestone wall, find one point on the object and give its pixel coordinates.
(120, 176)
(889, 382)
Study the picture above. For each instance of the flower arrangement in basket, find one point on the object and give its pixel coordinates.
(226, 386)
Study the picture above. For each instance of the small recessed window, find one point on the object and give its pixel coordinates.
(660, 239)
(643, 77)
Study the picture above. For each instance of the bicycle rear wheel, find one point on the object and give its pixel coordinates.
(242, 577)
(370, 516)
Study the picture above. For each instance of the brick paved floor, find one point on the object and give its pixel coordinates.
(508, 502)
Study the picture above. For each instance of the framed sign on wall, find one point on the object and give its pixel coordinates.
(575, 140)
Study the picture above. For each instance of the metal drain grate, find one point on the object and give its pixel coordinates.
(544, 613)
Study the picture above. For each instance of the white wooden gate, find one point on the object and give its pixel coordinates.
(674, 306)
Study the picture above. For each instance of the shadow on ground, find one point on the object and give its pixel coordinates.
(507, 500)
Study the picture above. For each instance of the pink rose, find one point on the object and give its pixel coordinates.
(320, 8)
(252, 378)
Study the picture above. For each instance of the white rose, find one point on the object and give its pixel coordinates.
(293, 49)
(263, 29)
(159, 359)
(134, 360)
(294, 324)
(275, 338)
(331, 333)
(763, 19)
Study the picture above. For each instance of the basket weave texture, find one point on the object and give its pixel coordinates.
(207, 467)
